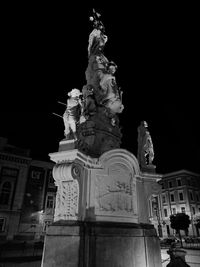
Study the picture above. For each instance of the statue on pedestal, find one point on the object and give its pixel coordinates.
(145, 152)
(72, 114)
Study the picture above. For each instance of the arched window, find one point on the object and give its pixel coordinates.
(5, 193)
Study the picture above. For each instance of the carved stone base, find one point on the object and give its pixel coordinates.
(101, 244)
(66, 144)
(148, 168)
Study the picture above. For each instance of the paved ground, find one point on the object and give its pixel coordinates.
(192, 257)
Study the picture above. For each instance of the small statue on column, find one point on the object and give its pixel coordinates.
(72, 114)
(145, 152)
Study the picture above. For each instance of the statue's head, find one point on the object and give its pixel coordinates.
(74, 93)
(144, 123)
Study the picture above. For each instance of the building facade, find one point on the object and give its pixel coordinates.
(180, 194)
(27, 194)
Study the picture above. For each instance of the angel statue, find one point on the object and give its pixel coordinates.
(72, 114)
(145, 153)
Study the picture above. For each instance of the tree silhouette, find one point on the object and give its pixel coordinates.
(180, 221)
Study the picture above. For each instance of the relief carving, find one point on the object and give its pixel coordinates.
(116, 193)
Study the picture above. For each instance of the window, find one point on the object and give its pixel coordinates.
(50, 176)
(172, 197)
(183, 209)
(2, 224)
(197, 197)
(191, 196)
(165, 212)
(162, 184)
(170, 184)
(188, 182)
(179, 182)
(180, 196)
(193, 210)
(35, 174)
(163, 199)
(174, 210)
(50, 202)
(5, 193)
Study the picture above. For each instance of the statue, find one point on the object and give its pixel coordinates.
(100, 72)
(112, 95)
(91, 115)
(72, 114)
(145, 153)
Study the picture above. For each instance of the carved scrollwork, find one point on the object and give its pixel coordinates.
(76, 171)
(67, 197)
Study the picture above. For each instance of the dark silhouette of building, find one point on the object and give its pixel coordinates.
(27, 194)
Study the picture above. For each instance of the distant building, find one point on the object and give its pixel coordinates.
(27, 194)
(180, 193)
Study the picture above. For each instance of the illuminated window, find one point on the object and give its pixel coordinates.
(174, 210)
(5, 193)
(193, 210)
(2, 224)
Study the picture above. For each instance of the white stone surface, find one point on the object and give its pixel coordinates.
(110, 188)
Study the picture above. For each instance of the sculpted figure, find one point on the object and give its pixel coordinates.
(72, 113)
(100, 72)
(89, 103)
(145, 146)
(110, 90)
(97, 62)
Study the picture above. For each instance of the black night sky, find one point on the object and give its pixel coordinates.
(44, 55)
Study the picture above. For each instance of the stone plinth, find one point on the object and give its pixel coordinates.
(109, 188)
(101, 215)
(101, 244)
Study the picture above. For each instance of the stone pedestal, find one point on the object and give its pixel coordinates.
(101, 215)
(101, 244)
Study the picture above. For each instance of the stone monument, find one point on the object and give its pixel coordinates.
(101, 215)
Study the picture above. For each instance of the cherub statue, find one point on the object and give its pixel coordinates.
(72, 113)
(145, 146)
